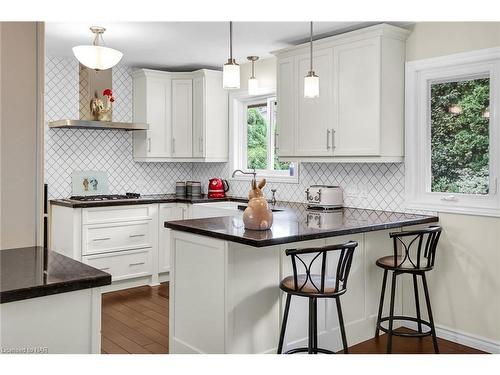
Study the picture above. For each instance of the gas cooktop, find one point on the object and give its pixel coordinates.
(107, 197)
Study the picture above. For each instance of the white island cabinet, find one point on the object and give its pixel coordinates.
(224, 281)
(224, 296)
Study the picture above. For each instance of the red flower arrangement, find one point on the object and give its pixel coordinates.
(109, 94)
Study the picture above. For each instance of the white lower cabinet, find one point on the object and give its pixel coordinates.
(130, 242)
(166, 212)
(106, 238)
(123, 264)
(120, 240)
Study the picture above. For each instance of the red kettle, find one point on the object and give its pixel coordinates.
(217, 188)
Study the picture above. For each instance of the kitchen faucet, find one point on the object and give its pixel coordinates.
(243, 172)
(273, 201)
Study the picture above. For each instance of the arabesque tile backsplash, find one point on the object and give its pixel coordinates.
(377, 186)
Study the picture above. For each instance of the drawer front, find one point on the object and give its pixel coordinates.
(124, 264)
(99, 215)
(97, 239)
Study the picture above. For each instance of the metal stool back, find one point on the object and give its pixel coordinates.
(417, 256)
(316, 286)
(423, 243)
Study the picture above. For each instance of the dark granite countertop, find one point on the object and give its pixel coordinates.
(144, 199)
(30, 272)
(298, 223)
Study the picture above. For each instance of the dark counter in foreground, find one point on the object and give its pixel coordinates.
(31, 272)
(298, 223)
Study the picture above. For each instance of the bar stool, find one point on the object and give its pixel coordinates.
(416, 263)
(314, 286)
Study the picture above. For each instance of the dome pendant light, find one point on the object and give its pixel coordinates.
(96, 56)
(311, 80)
(231, 70)
(253, 83)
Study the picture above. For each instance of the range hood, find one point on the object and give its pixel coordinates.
(91, 84)
(90, 124)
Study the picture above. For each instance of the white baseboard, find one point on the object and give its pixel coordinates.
(163, 277)
(463, 338)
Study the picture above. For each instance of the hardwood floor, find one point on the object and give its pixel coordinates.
(136, 321)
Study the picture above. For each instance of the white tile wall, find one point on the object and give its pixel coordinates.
(377, 186)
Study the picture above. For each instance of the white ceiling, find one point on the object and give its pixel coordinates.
(188, 45)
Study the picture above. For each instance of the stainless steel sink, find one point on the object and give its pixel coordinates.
(242, 207)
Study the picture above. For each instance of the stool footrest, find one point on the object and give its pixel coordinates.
(306, 350)
(405, 334)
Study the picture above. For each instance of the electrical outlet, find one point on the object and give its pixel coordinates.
(351, 191)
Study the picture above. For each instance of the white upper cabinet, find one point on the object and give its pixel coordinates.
(285, 120)
(152, 101)
(182, 117)
(210, 117)
(186, 113)
(314, 115)
(359, 114)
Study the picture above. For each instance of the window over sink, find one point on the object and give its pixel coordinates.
(453, 133)
(253, 125)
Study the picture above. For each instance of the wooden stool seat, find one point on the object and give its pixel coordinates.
(401, 263)
(314, 286)
(308, 285)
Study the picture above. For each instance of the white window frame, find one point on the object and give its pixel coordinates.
(238, 103)
(420, 75)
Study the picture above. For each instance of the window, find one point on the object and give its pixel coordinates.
(253, 120)
(452, 133)
(261, 120)
(460, 136)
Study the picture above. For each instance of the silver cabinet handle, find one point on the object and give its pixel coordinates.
(101, 239)
(104, 269)
(173, 145)
(276, 135)
(327, 139)
(136, 235)
(137, 264)
(333, 139)
(149, 144)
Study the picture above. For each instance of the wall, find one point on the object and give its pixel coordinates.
(431, 39)
(465, 284)
(19, 186)
(68, 150)
(265, 72)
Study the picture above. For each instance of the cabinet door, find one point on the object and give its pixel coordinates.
(182, 117)
(167, 212)
(198, 116)
(315, 115)
(157, 95)
(285, 119)
(357, 98)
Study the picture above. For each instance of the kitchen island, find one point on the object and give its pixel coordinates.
(224, 294)
(49, 303)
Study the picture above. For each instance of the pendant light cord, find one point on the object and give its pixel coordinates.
(231, 40)
(311, 47)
